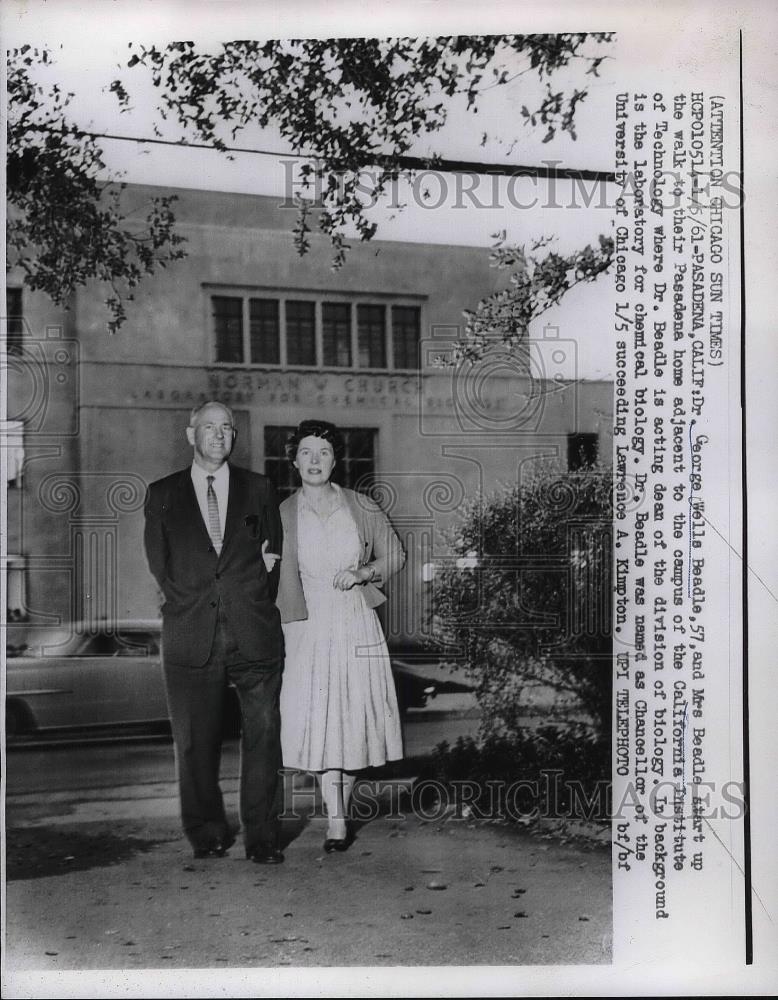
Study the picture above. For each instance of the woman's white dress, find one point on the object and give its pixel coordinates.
(338, 702)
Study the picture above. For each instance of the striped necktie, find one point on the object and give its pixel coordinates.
(214, 527)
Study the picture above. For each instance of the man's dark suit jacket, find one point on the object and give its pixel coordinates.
(193, 579)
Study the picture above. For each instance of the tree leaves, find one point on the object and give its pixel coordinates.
(66, 226)
(352, 103)
(343, 105)
(535, 283)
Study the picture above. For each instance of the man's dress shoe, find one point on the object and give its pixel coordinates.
(216, 849)
(264, 855)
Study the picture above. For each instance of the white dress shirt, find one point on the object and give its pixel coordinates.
(221, 487)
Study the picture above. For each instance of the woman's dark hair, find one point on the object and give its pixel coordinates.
(315, 428)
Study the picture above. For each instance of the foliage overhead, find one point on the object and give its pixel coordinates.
(65, 226)
(529, 605)
(343, 105)
(351, 104)
(534, 284)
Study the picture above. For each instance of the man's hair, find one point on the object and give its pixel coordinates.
(315, 428)
(197, 410)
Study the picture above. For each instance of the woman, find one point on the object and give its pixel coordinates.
(339, 709)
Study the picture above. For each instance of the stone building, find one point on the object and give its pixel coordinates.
(93, 418)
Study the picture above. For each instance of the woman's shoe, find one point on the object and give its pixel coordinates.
(340, 844)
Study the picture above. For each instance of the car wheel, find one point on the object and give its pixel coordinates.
(16, 719)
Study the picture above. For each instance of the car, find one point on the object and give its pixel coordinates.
(421, 673)
(82, 676)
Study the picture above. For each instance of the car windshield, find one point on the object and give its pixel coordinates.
(41, 641)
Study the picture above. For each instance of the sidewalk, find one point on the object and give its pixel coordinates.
(106, 881)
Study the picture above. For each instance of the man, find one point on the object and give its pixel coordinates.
(212, 538)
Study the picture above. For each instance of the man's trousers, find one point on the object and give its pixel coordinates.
(196, 697)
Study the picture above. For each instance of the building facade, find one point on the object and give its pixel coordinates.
(94, 418)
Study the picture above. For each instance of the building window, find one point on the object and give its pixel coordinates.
(336, 334)
(228, 328)
(264, 332)
(272, 330)
(406, 331)
(371, 336)
(277, 468)
(582, 451)
(354, 469)
(14, 320)
(300, 333)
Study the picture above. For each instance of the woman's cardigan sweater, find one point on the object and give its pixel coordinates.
(377, 537)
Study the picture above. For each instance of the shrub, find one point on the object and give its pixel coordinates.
(546, 773)
(525, 599)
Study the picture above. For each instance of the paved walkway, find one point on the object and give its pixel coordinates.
(100, 878)
(108, 883)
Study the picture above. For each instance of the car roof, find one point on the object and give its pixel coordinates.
(36, 641)
(82, 627)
